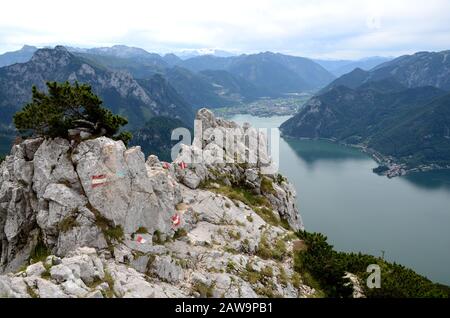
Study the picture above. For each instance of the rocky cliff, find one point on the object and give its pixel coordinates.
(94, 219)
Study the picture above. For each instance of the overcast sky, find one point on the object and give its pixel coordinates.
(314, 28)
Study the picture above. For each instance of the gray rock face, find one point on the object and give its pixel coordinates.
(64, 192)
(283, 200)
(119, 226)
(127, 195)
(71, 278)
(166, 268)
(210, 156)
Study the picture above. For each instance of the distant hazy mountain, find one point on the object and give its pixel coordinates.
(400, 109)
(142, 68)
(116, 50)
(138, 101)
(275, 73)
(197, 89)
(420, 69)
(213, 78)
(171, 59)
(344, 113)
(20, 56)
(187, 54)
(233, 87)
(120, 57)
(155, 137)
(341, 67)
(264, 71)
(207, 62)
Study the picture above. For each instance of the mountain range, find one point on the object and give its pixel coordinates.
(341, 67)
(373, 108)
(399, 109)
(241, 78)
(141, 85)
(419, 69)
(276, 73)
(139, 100)
(214, 80)
(218, 78)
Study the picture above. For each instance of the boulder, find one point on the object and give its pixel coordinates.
(36, 269)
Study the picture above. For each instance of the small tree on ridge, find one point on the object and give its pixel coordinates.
(66, 107)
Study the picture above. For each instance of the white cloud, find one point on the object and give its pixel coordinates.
(326, 28)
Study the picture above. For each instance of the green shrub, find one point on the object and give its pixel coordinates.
(326, 267)
(109, 293)
(67, 224)
(279, 250)
(156, 238)
(230, 266)
(142, 230)
(238, 193)
(204, 290)
(31, 292)
(264, 249)
(46, 274)
(267, 271)
(283, 277)
(114, 233)
(39, 252)
(179, 233)
(111, 232)
(280, 179)
(235, 235)
(267, 215)
(267, 186)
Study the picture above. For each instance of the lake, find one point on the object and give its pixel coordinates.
(406, 218)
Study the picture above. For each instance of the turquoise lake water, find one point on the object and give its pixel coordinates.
(407, 217)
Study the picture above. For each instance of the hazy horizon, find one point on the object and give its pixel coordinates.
(323, 29)
(201, 51)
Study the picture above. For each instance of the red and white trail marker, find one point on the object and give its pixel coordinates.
(182, 165)
(166, 165)
(140, 240)
(99, 180)
(176, 220)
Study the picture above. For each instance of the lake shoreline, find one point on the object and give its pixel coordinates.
(393, 167)
(387, 166)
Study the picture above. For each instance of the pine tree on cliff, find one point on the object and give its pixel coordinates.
(67, 107)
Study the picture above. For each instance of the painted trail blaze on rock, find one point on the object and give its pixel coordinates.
(99, 180)
(140, 240)
(182, 165)
(166, 165)
(176, 220)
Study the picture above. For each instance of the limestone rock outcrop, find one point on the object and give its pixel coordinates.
(236, 156)
(95, 219)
